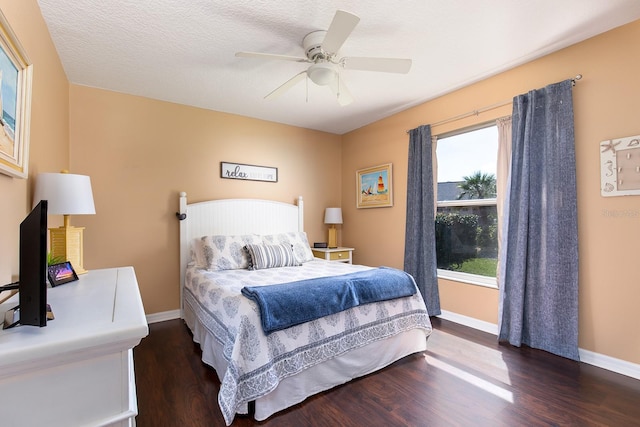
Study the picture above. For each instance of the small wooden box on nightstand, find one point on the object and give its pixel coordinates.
(338, 254)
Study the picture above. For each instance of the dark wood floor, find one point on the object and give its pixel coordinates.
(464, 379)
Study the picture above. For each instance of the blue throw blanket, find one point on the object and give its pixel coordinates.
(289, 304)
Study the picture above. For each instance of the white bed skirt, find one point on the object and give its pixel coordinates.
(336, 371)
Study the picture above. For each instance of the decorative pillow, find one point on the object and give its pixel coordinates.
(224, 252)
(196, 255)
(271, 256)
(299, 241)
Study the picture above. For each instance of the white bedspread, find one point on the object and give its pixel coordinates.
(257, 362)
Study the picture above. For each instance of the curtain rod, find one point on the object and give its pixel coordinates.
(487, 108)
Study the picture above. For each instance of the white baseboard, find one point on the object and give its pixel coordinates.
(471, 322)
(610, 363)
(161, 317)
(589, 357)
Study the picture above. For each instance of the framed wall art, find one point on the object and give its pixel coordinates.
(15, 103)
(620, 167)
(374, 187)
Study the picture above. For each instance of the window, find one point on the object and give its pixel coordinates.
(466, 217)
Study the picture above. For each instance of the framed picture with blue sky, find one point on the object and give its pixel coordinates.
(15, 103)
(374, 187)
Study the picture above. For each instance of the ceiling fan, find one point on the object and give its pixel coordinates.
(322, 52)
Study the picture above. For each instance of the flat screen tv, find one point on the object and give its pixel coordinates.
(32, 287)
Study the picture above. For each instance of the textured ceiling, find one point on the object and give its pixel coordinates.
(183, 51)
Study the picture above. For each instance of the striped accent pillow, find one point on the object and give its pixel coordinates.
(297, 238)
(271, 256)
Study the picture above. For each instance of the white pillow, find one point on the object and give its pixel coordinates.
(298, 239)
(221, 252)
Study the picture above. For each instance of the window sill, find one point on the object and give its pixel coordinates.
(471, 279)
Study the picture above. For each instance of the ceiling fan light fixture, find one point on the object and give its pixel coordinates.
(322, 73)
(322, 51)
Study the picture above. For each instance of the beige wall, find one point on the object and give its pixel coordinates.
(49, 149)
(606, 106)
(141, 153)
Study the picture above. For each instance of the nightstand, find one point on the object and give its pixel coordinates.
(338, 254)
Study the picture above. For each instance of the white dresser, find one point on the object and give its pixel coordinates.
(78, 370)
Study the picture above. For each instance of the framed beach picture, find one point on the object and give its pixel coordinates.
(15, 103)
(374, 187)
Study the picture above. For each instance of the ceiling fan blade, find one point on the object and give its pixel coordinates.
(342, 25)
(286, 85)
(341, 92)
(271, 56)
(387, 65)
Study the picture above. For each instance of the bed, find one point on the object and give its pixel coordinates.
(262, 372)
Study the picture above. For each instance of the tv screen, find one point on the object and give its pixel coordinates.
(32, 293)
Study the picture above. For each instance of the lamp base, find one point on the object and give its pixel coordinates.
(332, 242)
(66, 244)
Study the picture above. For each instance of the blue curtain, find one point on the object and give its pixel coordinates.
(539, 262)
(420, 235)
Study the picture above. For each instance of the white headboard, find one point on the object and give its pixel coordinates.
(233, 217)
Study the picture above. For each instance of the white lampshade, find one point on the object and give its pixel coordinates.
(68, 194)
(333, 216)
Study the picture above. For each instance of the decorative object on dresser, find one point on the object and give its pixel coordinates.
(374, 187)
(15, 103)
(338, 254)
(61, 273)
(68, 194)
(333, 216)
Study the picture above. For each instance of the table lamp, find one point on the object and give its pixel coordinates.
(333, 216)
(68, 194)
